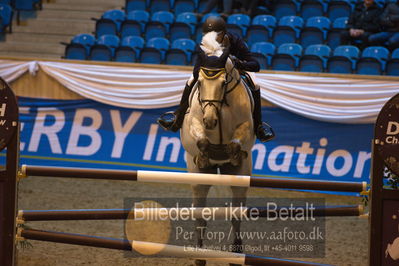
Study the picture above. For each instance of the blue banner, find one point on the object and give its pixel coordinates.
(84, 133)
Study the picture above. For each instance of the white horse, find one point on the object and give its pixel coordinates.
(217, 131)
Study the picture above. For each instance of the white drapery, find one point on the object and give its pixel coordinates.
(331, 99)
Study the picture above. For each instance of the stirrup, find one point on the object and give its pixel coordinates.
(267, 133)
(167, 120)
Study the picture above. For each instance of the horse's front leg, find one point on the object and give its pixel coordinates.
(197, 131)
(234, 148)
(200, 192)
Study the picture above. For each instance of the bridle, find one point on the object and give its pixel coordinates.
(213, 74)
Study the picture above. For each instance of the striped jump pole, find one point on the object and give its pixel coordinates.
(155, 248)
(193, 178)
(149, 213)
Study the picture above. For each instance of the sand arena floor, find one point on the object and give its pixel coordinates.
(346, 238)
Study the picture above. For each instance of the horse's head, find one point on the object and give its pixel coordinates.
(212, 80)
(212, 86)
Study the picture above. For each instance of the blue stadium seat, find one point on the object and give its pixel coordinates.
(285, 8)
(334, 35)
(131, 5)
(160, 5)
(202, 4)
(116, 15)
(101, 53)
(339, 8)
(155, 50)
(188, 18)
(159, 25)
(372, 61)
(392, 66)
(181, 52)
(164, 17)
(343, 60)
(105, 26)
(176, 57)
(315, 31)
(135, 42)
(159, 43)
(75, 51)
(130, 28)
(138, 16)
(129, 49)
(182, 6)
(150, 55)
(179, 30)
(267, 21)
(238, 23)
(125, 54)
(315, 58)
(287, 57)
(261, 29)
(184, 26)
(87, 40)
(104, 48)
(6, 14)
(287, 30)
(263, 52)
(186, 45)
(313, 8)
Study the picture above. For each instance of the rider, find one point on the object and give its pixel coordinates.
(243, 60)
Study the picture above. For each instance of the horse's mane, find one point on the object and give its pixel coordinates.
(210, 46)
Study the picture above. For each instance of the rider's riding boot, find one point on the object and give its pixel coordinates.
(176, 122)
(263, 131)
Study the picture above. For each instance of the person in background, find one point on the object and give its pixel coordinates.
(362, 22)
(227, 7)
(389, 21)
(243, 61)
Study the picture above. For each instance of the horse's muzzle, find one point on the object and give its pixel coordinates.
(210, 123)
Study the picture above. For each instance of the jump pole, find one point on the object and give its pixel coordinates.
(164, 249)
(123, 214)
(193, 178)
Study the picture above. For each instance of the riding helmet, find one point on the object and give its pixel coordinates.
(214, 23)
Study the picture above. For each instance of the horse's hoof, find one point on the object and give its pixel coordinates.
(233, 148)
(235, 161)
(202, 161)
(203, 145)
(200, 262)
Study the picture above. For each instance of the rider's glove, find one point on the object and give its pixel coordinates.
(239, 64)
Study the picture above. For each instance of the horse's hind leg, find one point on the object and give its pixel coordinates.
(239, 199)
(200, 193)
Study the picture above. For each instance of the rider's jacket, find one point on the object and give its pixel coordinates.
(239, 49)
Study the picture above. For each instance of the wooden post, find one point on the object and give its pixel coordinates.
(9, 138)
(384, 217)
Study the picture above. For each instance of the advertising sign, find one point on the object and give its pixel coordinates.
(84, 133)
